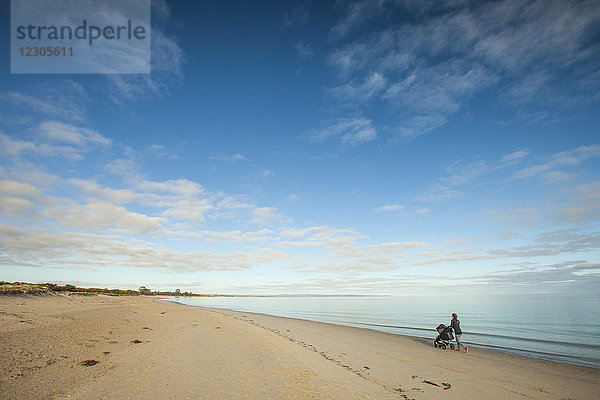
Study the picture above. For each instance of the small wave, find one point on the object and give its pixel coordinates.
(545, 341)
(581, 360)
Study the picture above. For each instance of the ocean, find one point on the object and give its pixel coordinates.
(558, 328)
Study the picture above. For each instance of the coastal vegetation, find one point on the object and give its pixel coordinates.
(52, 288)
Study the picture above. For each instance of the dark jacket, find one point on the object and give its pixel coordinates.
(455, 323)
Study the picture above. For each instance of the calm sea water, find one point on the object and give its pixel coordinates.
(565, 329)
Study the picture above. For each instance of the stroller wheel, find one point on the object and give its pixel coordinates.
(443, 346)
(451, 346)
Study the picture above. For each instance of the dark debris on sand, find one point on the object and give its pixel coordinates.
(445, 385)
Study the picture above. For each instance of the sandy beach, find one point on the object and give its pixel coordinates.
(101, 347)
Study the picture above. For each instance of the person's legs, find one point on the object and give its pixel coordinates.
(459, 343)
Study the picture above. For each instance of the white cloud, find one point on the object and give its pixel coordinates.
(373, 85)
(525, 89)
(167, 56)
(64, 100)
(93, 190)
(15, 147)
(524, 217)
(450, 259)
(343, 254)
(101, 217)
(507, 235)
(166, 65)
(394, 247)
(36, 247)
(419, 125)
(176, 205)
(586, 269)
(356, 14)
(54, 139)
(583, 203)
(72, 135)
(263, 174)
(428, 68)
(161, 10)
(439, 89)
(11, 207)
(265, 215)
(520, 34)
(110, 234)
(390, 207)
(160, 151)
(229, 157)
(28, 173)
(296, 17)
(20, 189)
(461, 172)
(97, 215)
(513, 157)
(178, 201)
(359, 13)
(188, 210)
(17, 198)
(232, 236)
(11, 147)
(438, 192)
(303, 50)
(181, 187)
(566, 241)
(319, 236)
(561, 160)
(124, 168)
(350, 131)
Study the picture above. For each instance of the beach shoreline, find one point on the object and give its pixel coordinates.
(492, 324)
(522, 352)
(419, 339)
(152, 348)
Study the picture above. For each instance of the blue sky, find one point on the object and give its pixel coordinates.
(369, 147)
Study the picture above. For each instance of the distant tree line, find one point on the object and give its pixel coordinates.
(41, 288)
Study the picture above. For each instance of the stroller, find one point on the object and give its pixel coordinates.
(444, 337)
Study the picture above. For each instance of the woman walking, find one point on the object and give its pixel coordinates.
(455, 324)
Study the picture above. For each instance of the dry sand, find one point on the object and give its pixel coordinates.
(186, 352)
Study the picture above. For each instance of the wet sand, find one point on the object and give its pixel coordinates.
(99, 347)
